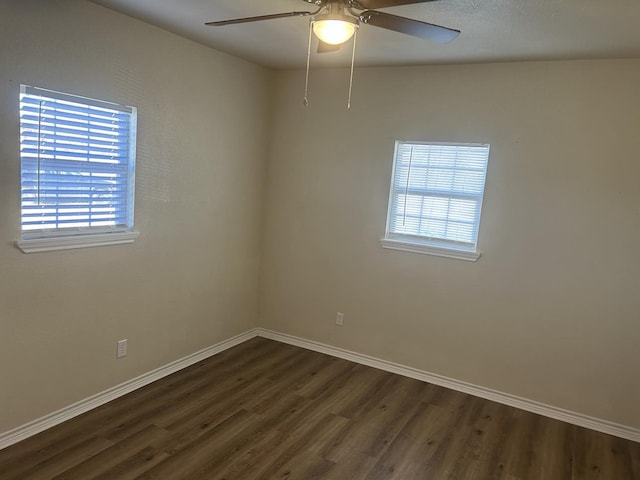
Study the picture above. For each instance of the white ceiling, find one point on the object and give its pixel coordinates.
(492, 30)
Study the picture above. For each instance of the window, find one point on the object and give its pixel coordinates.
(77, 171)
(436, 198)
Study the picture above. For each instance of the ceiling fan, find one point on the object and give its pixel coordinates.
(336, 21)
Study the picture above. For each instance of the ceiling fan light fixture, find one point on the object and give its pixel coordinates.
(334, 29)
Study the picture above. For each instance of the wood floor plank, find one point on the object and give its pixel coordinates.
(634, 451)
(135, 465)
(271, 454)
(259, 430)
(226, 392)
(190, 452)
(114, 455)
(305, 467)
(287, 378)
(521, 449)
(457, 453)
(364, 387)
(332, 377)
(57, 464)
(374, 430)
(414, 446)
(355, 466)
(40, 448)
(599, 456)
(264, 410)
(496, 422)
(556, 459)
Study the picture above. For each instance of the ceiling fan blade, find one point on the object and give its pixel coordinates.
(416, 28)
(326, 47)
(258, 19)
(370, 4)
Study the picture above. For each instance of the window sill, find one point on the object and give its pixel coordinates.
(48, 244)
(469, 256)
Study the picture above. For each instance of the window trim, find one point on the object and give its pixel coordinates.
(425, 245)
(414, 247)
(68, 242)
(72, 238)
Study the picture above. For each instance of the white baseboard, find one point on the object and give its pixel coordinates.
(550, 411)
(25, 431)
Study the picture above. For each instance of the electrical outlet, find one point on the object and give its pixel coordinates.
(340, 319)
(122, 348)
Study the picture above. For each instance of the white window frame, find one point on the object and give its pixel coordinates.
(433, 245)
(58, 238)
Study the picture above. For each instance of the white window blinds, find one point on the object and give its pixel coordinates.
(436, 194)
(77, 164)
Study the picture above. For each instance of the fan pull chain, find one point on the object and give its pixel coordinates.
(353, 61)
(306, 80)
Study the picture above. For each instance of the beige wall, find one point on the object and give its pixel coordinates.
(191, 278)
(551, 310)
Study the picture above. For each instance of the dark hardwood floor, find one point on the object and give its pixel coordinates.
(265, 410)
